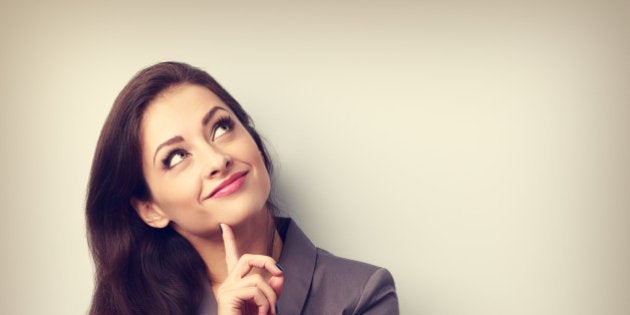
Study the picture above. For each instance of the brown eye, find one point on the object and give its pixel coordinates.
(174, 158)
(221, 130)
(222, 127)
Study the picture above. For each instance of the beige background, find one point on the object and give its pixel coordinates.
(478, 151)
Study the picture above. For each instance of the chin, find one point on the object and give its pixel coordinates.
(244, 211)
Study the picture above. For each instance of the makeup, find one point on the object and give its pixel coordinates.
(229, 186)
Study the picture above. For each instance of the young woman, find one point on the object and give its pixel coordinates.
(179, 218)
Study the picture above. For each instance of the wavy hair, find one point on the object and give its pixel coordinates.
(140, 269)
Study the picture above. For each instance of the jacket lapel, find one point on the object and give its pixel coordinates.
(298, 259)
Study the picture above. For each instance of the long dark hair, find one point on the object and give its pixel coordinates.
(140, 269)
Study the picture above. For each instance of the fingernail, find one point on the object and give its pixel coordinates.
(220, 229)
(279, 267)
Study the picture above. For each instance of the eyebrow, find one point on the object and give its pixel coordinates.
(176, 139)
(170, 141)
(210, 113)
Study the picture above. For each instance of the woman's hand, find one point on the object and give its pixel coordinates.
(242, 293)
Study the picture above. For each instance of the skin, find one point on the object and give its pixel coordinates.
(244, 292)
(189, 148)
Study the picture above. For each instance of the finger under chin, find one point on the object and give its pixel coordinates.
(229, 242)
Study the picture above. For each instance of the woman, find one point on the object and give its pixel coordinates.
(179, 218)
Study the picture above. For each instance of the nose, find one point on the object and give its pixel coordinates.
(216, 162)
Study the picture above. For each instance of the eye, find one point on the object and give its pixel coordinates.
(222, 126)
(174, 157)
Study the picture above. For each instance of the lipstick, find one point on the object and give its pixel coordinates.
(229, 185)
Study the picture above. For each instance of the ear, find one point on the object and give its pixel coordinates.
(150, 213)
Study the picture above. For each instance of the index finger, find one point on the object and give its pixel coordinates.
(229, 242)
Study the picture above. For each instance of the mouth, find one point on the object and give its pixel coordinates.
(229, 185)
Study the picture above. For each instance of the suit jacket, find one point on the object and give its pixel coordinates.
(317, 282)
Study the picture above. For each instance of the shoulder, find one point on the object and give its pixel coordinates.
(351, 272)
(351, 286)
(318, 282)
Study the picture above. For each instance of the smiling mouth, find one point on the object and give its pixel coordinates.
(229, 186)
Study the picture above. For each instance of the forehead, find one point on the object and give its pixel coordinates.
(181, 101)
(184, 98)
(178, 110)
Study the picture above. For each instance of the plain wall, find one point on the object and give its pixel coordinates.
(478, 151)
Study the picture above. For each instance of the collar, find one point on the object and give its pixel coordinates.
(298, 259)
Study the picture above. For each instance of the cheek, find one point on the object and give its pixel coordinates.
(178, 193)
(265, 178)
(256, 159)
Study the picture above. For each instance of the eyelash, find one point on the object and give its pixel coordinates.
(223, 122)
(226, 122)
(166, 162)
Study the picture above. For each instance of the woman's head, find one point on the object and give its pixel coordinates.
(200, 163)
(117, 179)
(117, 158)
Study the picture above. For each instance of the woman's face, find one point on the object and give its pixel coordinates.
(201, 165)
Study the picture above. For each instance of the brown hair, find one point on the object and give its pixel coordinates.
(139, 269)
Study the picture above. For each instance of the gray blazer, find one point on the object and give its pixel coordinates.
(317, 282)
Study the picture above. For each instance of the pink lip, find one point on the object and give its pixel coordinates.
(229, 186)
